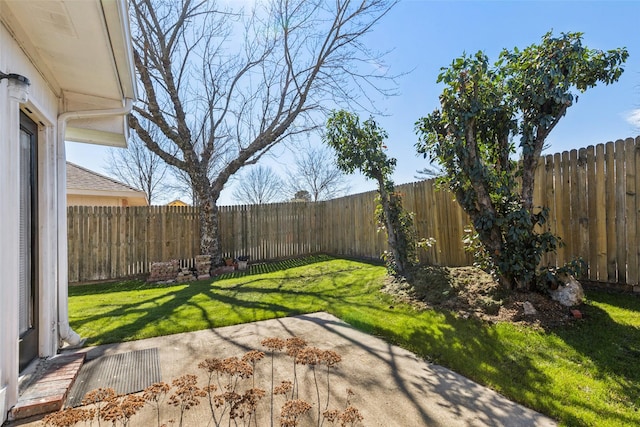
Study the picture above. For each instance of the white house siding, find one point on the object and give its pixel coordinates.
(82, 61)
(43, 106)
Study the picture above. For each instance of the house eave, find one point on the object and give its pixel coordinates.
(83, 51)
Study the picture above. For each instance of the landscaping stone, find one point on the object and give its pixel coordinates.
(570, 293)
(529, 309)
(164, 271)
(203, 265)
(186, 275)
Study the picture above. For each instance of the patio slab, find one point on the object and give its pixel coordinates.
(392, 386)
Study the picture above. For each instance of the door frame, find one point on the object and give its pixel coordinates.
(28, 347)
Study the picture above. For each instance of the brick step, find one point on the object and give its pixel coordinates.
(49, 390)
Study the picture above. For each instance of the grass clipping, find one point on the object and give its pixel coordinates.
(471, 292)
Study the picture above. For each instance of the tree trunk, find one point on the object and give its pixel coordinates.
(392, 237)
(209, 230)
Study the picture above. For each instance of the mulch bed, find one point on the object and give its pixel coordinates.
(471, 292)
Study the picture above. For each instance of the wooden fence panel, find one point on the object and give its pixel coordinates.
(591, 195)
(591, 214)
(631, 211)
(636, 244)
(620, 220)
(601, 213)
(611, 212)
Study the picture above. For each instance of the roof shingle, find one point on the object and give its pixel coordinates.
(79, 178)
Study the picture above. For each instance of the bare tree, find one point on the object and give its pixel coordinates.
(140, 168)
(182, 186)
(259, 185)
(315, 171)
(222, 101)
(429, 172)
(301, 196)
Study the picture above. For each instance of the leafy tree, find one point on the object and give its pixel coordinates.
(315, 172)
(361, 147)
(222, 101)
(483, 108)
(259, 185)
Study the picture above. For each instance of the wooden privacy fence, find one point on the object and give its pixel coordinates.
(594, 207)
(113, 242)
(591, 194)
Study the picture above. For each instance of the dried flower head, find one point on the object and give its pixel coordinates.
(187, 393)
(350, 394)
(294, 345)
(309, 356)
(350, 416)
(252, 396)
(243, 406)
(234, 366)
(68, 417)
(211, 365)
(155, 391)
(99, 395)
(330, 358)
(232, 399)
(210, 388)
(253, 356)
(291, 412)
(112, 412)
(284, 388)
(131, 404)
(273, 344)
(331, 415)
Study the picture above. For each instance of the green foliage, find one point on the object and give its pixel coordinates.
(361, 147)
(407, 243)
(483, 108)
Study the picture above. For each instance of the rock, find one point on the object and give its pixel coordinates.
(164, 271)
(529, 309)
(203, 265)
(570, 293)
(186, 275)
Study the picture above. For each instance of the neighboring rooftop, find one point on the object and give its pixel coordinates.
(177, 202)
(86, 187)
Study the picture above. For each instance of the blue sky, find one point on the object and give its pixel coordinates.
(425, 35)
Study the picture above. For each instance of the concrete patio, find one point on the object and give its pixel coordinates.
(392, 386)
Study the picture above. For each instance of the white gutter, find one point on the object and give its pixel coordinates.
(65, 333)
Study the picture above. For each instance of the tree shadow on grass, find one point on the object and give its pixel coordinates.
(275, 266)
(253, 269)
(209, 304)
(614, 348)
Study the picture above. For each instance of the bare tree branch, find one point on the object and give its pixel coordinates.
(140, 168)
(315, 171)
(257, 186)
(223, 87)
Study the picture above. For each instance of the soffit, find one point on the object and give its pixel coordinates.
(80, 47)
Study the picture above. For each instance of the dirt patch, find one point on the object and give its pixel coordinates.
(469, 291)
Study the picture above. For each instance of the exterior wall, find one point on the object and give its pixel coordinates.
(41, 105)
(85, 200)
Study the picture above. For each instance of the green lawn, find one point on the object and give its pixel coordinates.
(586, 374)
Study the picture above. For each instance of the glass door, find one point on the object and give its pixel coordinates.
(28, 276)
